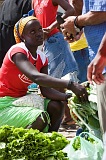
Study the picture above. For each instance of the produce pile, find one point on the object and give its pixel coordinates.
(86, 112)
(29, 144)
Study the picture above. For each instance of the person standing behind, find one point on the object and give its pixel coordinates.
(93, 20)
(11, 11)
(61, 59)
(81, 55)
(95, 73)
(80, 49)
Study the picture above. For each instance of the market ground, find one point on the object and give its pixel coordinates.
(68, 132)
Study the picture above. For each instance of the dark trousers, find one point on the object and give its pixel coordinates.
(6, 40)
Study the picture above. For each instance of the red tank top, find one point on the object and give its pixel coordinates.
(12, 81)
(46, 13)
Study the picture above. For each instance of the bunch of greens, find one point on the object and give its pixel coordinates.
(28, 144)
(87, 137)
(86, 112)
(77, 143)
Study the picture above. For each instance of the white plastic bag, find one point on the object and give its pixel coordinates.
(88, 150)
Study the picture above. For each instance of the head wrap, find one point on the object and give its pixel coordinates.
(19, 27)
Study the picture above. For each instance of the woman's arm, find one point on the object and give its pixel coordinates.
(33, 7)
(44, 80)
(78, 5)
(90, 18)
(32, 73)
(69, 10)
(50, 92)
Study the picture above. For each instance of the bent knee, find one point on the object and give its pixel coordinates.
(55, 107)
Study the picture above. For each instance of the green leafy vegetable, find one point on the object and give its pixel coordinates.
(76, 144)
(86, 112)
(28, 144)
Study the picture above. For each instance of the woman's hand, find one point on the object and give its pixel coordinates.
(79, 90)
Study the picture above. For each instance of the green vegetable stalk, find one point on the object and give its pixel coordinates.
(86, 112)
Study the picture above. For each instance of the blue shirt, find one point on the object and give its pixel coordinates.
(94, 33)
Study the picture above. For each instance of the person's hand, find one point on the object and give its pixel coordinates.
(46, 31)
(95, 68)
(79, 90)
(76, 38)
(68, 27)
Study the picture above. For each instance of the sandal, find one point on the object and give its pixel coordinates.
(68, 123)
(69, 127)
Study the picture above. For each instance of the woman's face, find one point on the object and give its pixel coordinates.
(33, 33)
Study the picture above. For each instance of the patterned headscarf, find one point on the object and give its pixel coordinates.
(19, 27)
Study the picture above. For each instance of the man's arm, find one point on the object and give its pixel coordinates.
(95, 68)
(90, 18)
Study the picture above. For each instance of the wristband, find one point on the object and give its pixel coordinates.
(68, 95)
(77, 27)
(70, 84)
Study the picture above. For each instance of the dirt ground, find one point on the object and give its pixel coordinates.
(68, 132)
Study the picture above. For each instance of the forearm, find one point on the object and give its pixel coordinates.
(48, 81)
(53, 94)
(91, 18)
(67, 13)
(34, 75)
(77, 6)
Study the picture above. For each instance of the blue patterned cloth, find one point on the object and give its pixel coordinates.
(32, 86)
(94, 33)
(61, 59)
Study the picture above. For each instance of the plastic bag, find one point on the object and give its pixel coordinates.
(99, 148)
(88, 151)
